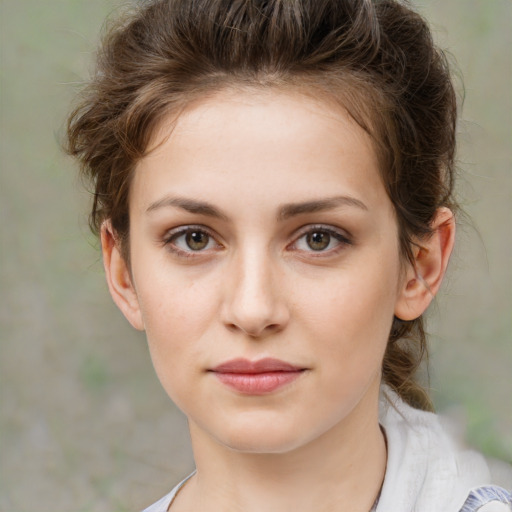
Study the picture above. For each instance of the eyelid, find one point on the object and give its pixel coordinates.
(178, 231)
(341, 235)
(308, 228)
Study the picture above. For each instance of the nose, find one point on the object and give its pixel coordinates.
(255, 302)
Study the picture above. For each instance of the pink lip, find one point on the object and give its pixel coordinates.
(256, 377)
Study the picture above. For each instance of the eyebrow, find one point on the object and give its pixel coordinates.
(285, 212)
(320, 205)
(189, 205)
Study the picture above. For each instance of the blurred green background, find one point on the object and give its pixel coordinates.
(85, 425)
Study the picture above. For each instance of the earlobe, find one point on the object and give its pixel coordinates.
(423, 280)
(118, 278)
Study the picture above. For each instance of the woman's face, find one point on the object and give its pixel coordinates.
(265, 269)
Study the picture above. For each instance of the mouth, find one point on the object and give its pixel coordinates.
(256, 377)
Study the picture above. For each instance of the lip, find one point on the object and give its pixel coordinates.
(256, 377)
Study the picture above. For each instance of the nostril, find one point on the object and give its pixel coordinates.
(268, 329)
(255, 331)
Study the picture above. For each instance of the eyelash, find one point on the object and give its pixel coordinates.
(342, 239)
(172, 236)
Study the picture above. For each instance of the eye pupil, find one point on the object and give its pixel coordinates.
(197, 240)
(318, 241)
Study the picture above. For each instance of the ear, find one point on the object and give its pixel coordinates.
(423, 279)
(119, 279)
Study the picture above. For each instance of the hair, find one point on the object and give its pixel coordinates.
(375, 58)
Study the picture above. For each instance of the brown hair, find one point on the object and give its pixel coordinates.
(375, 57)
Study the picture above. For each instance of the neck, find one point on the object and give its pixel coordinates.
(342, 470)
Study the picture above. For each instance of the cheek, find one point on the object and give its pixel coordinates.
(172, 298)
(177, 311)
(351, 313)
(349, 328)
(350, 303)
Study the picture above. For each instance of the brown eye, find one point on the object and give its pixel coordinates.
(197, 240)
(191, 241)
(318, 240)
(324, 241)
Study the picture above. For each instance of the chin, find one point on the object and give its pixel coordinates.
(261, 444)
(262, 438)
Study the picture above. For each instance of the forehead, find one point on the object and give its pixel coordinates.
(239, 141)
(285, 108)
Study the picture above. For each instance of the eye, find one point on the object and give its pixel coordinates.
(196, 240)
(320, 239)
(190, 239)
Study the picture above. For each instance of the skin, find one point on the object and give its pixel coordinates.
(245, 169)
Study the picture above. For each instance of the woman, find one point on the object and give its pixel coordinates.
(274, 197)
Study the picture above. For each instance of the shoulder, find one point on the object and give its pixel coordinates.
(427, 469)
(488, 499)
